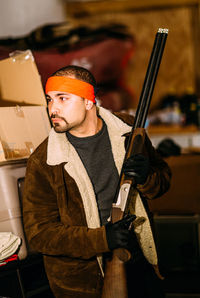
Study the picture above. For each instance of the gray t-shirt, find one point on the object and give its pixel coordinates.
(96, 155)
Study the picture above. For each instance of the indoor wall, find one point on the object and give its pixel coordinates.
(179, 70)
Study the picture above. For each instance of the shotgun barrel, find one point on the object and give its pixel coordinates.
(150, 78)
(115, 274)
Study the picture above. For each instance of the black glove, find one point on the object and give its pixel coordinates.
(117, 233)
(137, 166)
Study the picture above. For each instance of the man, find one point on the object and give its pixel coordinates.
(70, 184)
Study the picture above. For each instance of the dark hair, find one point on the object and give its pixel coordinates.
(80, 73)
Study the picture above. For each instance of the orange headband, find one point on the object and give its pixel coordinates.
(74, 86)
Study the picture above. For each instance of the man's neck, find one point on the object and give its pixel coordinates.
(91, 126)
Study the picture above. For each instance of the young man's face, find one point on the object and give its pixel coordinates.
(67, 111)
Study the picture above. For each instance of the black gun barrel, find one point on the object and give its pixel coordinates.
(150, 78)
(146, 94)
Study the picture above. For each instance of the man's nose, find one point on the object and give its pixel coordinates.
(55, 108)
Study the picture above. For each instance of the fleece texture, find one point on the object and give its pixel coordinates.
(60, 211)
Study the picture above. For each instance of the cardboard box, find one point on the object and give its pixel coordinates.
(22, 129)
(20, 82)
(24, 124)
(24, 121)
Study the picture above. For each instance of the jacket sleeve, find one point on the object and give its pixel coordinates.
(158, 180)
(44, 229)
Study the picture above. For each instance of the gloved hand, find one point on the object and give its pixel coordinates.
(137, 166)
(117, 233)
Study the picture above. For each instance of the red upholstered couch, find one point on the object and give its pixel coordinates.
(106, 58)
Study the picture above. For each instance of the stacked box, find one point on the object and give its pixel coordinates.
(24, 124)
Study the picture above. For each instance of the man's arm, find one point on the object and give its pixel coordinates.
(43, 226)
(159, 176)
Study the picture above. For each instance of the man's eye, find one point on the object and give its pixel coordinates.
(48, 99)
(63, 98)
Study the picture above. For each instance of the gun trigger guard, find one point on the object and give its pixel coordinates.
(123, 196)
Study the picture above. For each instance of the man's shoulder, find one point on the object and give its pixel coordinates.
(125, 117)
(40, 152)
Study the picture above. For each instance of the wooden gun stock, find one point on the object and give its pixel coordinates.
(115, 284)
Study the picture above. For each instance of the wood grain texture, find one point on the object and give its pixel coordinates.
(178, 71)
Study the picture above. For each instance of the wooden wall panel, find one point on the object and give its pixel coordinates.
(177, 71)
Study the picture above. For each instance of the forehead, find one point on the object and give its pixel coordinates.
(57, 94)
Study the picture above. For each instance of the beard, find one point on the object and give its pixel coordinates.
(60, 127)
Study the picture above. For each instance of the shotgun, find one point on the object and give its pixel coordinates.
(115, 274)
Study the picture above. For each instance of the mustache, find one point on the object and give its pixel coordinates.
(59, 117)
(56, 116)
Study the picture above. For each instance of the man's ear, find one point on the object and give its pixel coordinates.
(89, 104)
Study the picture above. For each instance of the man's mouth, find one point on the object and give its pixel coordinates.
(55, 118)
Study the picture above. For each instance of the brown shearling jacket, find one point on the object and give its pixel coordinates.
(60, 213)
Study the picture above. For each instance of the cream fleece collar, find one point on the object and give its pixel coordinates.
(60, 150)
(59, 147)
